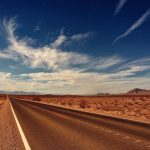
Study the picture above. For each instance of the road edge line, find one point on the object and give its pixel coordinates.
(23, 137)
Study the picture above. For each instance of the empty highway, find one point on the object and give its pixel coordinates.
(53, 128)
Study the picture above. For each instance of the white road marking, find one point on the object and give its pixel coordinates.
(25, 142)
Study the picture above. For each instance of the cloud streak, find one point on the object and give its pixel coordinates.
(78, 81)
(119, 7)
(136, 25)
(51, 56)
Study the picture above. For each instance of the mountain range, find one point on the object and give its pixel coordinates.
(139, 91)
(19, 93)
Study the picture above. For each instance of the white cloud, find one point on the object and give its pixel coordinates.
(5, 76)
(138, 64)
(78, 81)
(80, 36)
(119, 7)
(103, 63)
(59, 41)
(63, 39)
(75, 81)
(49, 56)
(67, 71)
(136, 25)
(45, 57)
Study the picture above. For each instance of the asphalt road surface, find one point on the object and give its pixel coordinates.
(53, 128)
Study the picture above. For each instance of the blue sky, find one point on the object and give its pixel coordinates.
(74, 47)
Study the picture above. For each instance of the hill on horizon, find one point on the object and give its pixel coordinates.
(19, 93)
(138, 91)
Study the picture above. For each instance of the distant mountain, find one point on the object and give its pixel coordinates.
(102, 94)
(139, 91)
(19, 93)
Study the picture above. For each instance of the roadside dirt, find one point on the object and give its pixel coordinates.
(2, 100)
(9, 135)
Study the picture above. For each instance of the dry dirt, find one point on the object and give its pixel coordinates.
(136, 107)
(9, 135)
(2, 100)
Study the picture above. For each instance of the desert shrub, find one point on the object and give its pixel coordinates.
(70, 103)
(37, 98)
(83, 104)
(62, 103)
(142, 98)
(88, 106)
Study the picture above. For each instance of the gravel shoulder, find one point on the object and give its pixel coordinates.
(10, 138)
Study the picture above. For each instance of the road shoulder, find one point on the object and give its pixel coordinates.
(9, 134)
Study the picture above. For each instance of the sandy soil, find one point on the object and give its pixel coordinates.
(9, 135)
(136, 107)
(2, 100)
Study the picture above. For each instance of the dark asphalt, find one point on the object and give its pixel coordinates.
(53, 128)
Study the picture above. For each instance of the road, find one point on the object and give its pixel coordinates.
(52, 128)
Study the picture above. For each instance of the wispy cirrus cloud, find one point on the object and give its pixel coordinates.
(119, 7)
(59, 41)
(135, 25)
(50, 56)
(81, 36)
(63, 39)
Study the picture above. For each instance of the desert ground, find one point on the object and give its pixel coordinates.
(135, 107)
(9, 134)
(2, 100)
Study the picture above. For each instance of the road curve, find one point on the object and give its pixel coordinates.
(53, 128)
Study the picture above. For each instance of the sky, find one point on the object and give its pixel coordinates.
(74, 47)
